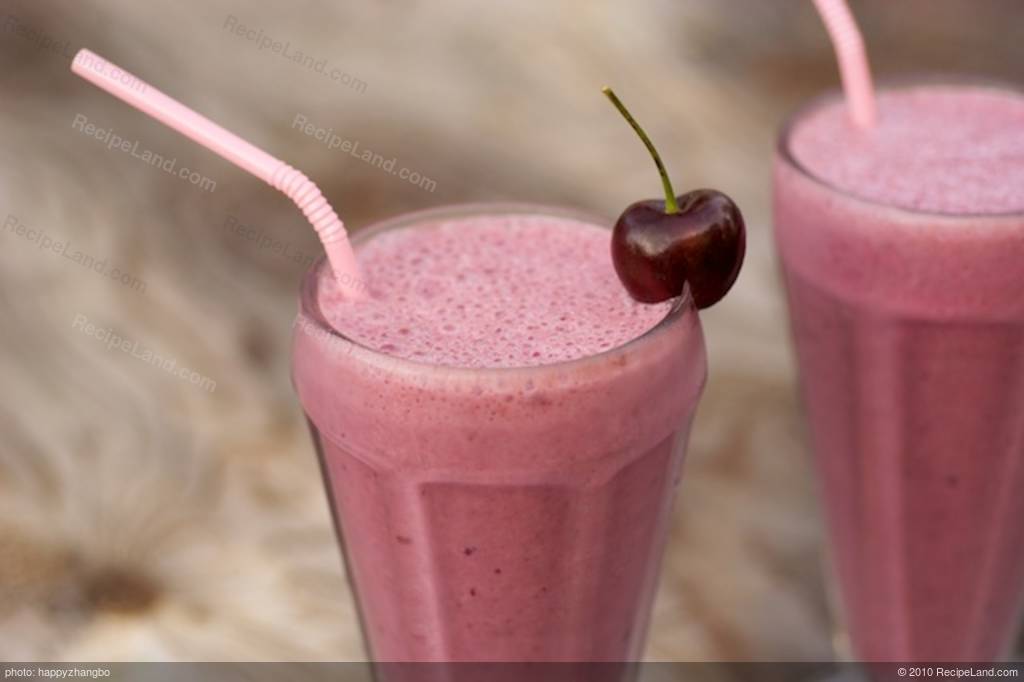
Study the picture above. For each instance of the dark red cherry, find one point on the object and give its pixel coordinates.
(655, 253)
(660, 245)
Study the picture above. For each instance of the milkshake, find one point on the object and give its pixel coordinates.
(902, 246)
(501, 430)
(500, 426)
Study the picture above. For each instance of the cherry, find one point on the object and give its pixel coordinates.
(655, 251)
(660, 245)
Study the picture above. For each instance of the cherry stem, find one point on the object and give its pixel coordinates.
(670, 196)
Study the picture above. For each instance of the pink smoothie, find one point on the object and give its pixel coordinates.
(903, 249)
(502, 430)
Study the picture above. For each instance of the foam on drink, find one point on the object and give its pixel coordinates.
(935, 148)
(491, 291)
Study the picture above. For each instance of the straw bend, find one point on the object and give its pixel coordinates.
(308, 197)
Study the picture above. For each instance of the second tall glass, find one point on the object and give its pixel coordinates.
(909, 329)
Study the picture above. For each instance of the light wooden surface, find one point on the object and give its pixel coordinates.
(142, 517)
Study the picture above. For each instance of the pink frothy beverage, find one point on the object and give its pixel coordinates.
(903, 251)
(502, 430)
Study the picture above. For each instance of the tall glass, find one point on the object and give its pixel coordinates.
(909, 331)
(500, 514)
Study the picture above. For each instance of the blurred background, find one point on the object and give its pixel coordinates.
(171, 508)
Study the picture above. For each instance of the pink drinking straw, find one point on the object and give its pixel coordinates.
(277, 173)
(854, 68)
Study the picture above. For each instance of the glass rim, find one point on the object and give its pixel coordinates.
(783, 147)
(681, 309)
